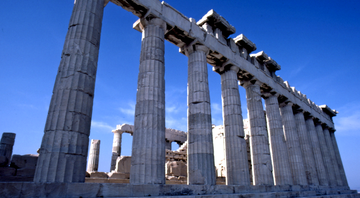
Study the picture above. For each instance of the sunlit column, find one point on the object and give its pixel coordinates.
(292, 142)
(259, 145)
(64, 147)
(235, 145)
(148, 149)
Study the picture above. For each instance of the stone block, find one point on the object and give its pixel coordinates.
(98, 175)
(25, 172)
(115, 190)
(7, 171)
(176, 168)
(145, 190)
(123, 164)
(10, 189)
(76, 190)
(24, 161)
(115, 175)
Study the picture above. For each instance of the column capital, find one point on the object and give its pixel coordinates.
(194, 46)
(250, 82)
(268, 94)
(140, 24)
(283, 104)
(117, 131)
(226, 66)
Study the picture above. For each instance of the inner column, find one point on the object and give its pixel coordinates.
(306, 148)
(201, 168)
(279, 151)
(325, 155)
(338, 159)
(64, 147)
(116, 148)
(292, 142)
(259, 146)
(148, 149)
(332, 156)
(316, 149)
(235, 145)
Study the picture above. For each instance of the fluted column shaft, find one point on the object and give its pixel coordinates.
(306, 149)
(93, 161)
(279, 152)
(338, 160)
(259, 144)
(292, 142)
(332, 157)
(65, 142)
(201, 168)
(316, 149)
(235, 145)
(6, 147)
(148, 149)
(326, 156)
(116, 149)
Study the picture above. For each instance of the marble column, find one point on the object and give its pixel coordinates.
(64, 147)
(168, 144)
(201, 167)
(292, 142)
(259, 145)
(316, 149)
(306, 149)
(116, 148)
(326, 156)
(237, 169)
(333, 159)
(338, 160)
(6, 148)
(148, 149)
(93, 161)
(279, 152)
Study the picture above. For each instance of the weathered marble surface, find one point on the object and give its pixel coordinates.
(306, 149)
(292, 142)
(64, 147)
(259, 144)
(201, 167)
(148, 150)
(235, 145)
(279, 152)
(94, 156)
(30, 190)
(6, 147)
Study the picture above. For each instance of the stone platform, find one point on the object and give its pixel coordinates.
(72, 190)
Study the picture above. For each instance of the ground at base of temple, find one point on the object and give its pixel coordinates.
(72, 190)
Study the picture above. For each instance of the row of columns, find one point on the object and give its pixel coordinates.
(286, 161)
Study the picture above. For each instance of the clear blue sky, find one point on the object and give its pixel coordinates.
(315, 42)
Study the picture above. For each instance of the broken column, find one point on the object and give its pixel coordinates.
(306, 148)
(237, 169)
(338, 160)
(93, 161)
(319, 163)
(64, 147)
(201, 168)
(116, 148)
(333, 159)
(259, 145)
(292, 142)
(6, 148)
(148, 149)
(325, 154)
(279, 151)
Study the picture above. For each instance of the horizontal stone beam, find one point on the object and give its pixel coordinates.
(182, 31)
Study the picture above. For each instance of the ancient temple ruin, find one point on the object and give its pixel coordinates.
(292, 146)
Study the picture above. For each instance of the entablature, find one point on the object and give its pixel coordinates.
(182, 31)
